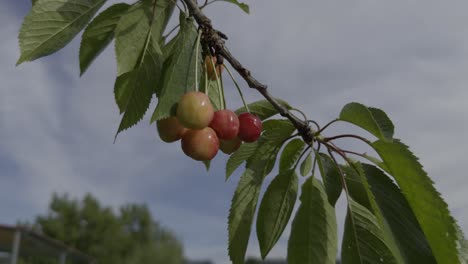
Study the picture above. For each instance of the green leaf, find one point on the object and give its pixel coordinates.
(241, 215)
(168, 48)
(245, 151)
(363, 239)
(360, 191)
(135, 28)
(430, 209)
(399, 216)
(376, 161)
(179, 74)
(330, 176)
(245, 197)
(52, 24)
(33, 2)
(275, 209)
(99, 34)
(133, 90)
(242, 6)
(313, 236)
(212, 91)
(263, 108)
(306, 165)
(290, 154)
(373, 120)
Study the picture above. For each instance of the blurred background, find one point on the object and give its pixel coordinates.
(58, 162)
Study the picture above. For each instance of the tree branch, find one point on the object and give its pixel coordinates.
(215, 39)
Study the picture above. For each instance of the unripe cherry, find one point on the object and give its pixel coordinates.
(202, 144)
(210, 70)
(250, 127)
(170, 129)
(195, 110)
(229, 146)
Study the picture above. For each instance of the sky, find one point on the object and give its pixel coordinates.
(409, 58)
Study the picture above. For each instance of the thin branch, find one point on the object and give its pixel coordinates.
(215, 39)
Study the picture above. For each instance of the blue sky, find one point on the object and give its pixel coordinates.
(408, 58)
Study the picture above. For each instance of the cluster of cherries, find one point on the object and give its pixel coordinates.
(204, 131)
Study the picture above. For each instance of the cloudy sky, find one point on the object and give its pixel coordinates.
(409, 58)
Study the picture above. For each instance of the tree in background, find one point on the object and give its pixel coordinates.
(130, 236)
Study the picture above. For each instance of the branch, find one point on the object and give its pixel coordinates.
(215, 39)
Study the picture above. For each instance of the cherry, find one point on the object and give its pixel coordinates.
(210, 70)
(202, 144)
(229, 146)
(170, 129)
(250, 127)
(194, 110)
(226, 124)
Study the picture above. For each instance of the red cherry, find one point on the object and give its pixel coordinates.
(250, 127)
(170, 129)
(226, 124)
(229, 146)
(195, 110)
(200, 144)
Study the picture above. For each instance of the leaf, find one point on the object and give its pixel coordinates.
(376, 161)
(373, 120)
(306, 165)
(179, 74)
(313, 236)
(399, 216)
(33, 2)
(245, 151)
(52, 24)
(275, 209)
(363, 240)
(241, 215)
(168, 48)
(360, 191)
(263, 108)
(245, 197)
(99, 34)
(133, 90)
(242, 6)
(430, 209)
(290, 154)
(331, 177)
(135, 28)
(212, 91)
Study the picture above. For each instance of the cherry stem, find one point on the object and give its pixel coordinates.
(197, 49)
(327, 125)
(316, 156)
(218, 83)
(315, 123)
(238, 88)
(302, 154)
(348, 136)
(302, 113)
(206, 83)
